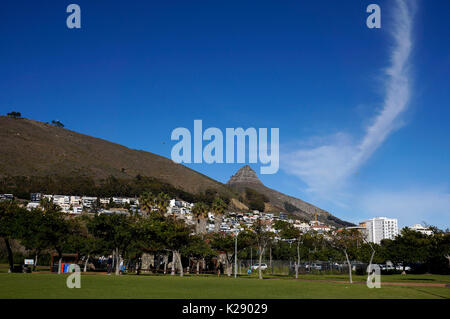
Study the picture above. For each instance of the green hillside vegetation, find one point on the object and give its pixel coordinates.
(255, 200)
(22, 186)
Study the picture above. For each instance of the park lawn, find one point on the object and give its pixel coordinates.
(194, 287)
(408, 278)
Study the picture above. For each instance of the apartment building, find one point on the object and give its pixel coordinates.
(88, 201)
(380, 228)
(35, 197)
(61, 200)
(75, 200)
(104, 201)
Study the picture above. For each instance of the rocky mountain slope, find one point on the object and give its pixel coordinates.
(32, 148)
(246, 178)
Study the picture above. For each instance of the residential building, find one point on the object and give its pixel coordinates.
(33, 205)
(421, 229)
(303, 227)
(35, 197)
(321, 229)
(75, 200)
(120, 200)
(283, 216)
(77, 209)
(6, 196)
(380, 228)
(104, 201)
(61, 200)
(88, 201)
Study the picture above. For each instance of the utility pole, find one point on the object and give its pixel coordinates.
(235, 254)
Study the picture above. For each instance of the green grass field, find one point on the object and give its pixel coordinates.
(42, 285)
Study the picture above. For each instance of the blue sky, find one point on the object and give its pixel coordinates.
(136, 70)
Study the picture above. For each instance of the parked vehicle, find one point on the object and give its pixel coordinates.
(314, 266)
(400, 267)
(263, 267)
(387, 267)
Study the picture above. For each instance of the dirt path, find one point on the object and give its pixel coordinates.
(411, 284)
(383, 283)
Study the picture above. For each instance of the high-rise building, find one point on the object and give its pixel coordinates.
(380, 228)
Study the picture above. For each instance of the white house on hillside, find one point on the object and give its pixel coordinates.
(421, 229)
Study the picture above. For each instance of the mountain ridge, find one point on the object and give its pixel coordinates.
(33, 148)
(246, 177)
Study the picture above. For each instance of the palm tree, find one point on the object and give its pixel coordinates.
(162, 201)
(200, 211)
(146, 201)
(48, 204)
(218, 207)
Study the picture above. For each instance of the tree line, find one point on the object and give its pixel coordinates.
(125, 236)
(129, 236)
(426, 253)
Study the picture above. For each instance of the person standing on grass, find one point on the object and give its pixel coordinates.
(109, 265)
(121, 266)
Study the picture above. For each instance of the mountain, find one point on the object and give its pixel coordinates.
(246, 178)
(32, 148)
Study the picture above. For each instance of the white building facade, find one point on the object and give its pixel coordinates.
(421, 229)
(380, 228)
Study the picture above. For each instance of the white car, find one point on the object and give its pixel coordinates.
(314, 266)
(399, 267)
(263, 267)
(387, 267)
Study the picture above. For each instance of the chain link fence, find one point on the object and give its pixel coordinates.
(287, 267)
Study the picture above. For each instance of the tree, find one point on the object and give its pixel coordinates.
(255, 199)
(368, 251)
(346, 240)
(174, 235)
(57, 123)
(14, 114)
(197, 249)
(200, 211)
(162, 202)
(223, 242)
(55, 230)
(147, 202)
(439, 254)
(262, 239)
(146, 232)
(10, 226)
(116, 233)
(81, 241)
(408, 247)
(35, 239)
(218, 208)
(289, 232)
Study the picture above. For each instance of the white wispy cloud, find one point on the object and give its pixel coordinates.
(326, 167)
